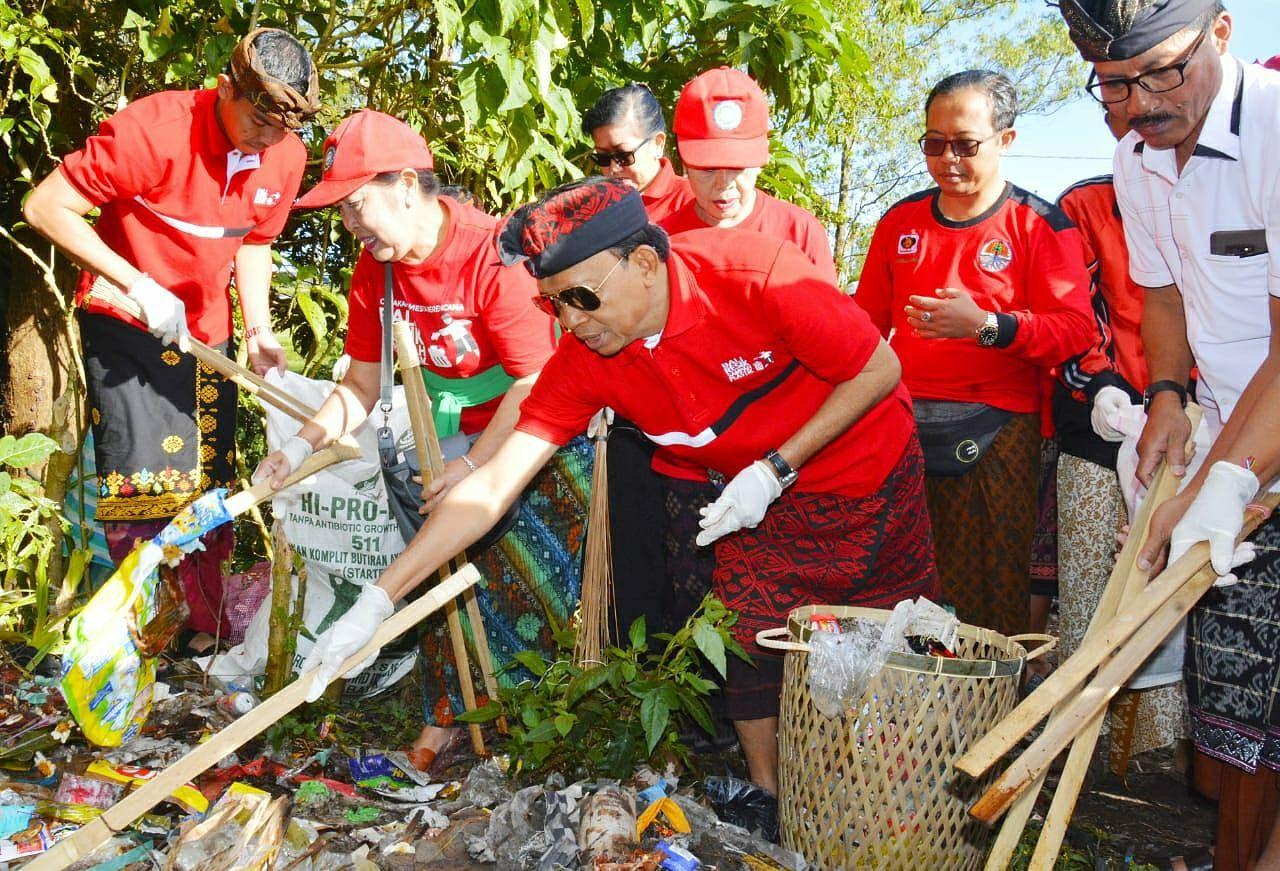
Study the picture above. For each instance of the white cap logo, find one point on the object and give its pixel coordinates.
(330, 153)
(727, 114)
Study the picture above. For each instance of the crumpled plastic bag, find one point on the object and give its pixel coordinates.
(744, 804)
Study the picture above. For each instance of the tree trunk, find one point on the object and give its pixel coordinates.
(844, 220)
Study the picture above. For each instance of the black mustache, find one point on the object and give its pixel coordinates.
(1146, 120)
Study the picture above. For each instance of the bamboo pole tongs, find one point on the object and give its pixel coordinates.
(1125, 581)
(431, 464)
(201, 757)
(1139, 632)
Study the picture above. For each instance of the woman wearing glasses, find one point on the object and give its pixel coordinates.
(722, 134)
(630, 138)
(982, 287)
(482, 343)
(731, 352)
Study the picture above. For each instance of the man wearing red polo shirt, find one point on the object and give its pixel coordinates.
(190, 184)
(734, 355)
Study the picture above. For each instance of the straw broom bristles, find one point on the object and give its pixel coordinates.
(596, 617)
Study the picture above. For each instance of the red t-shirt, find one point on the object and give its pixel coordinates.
(772, 217)
(468, 312)
(1022, 257)
(755, 341)
(1117, 300)
(178, 200)
(666, 193)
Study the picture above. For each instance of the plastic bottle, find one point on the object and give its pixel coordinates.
(237, 703)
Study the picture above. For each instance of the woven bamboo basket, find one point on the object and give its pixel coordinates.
(876, 788)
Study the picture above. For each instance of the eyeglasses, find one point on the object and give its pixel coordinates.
(936, 146)
(577, 296)
(622, 158)
(1156, 81)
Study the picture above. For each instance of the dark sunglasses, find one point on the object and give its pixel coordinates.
(936, 146)
(1157, 81)
(577, 296)
(622, 158)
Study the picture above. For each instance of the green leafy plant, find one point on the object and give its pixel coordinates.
(29, 525)
(605, 719)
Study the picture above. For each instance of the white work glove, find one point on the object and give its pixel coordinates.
(162, 312)
(1216, 515)
(742, 504)
(1109, 402)
(600, 422)
(351, 632)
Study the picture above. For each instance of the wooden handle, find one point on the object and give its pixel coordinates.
(431, 465)
(344, 448)
(244, 377)
(1131, 580)
(203, 756)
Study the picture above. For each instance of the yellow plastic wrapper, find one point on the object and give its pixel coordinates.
(108, 670)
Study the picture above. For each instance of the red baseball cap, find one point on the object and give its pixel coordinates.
(722, 121)
(1272, 63)
(365, 145)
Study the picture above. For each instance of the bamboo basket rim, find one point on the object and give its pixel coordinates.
(799, 632)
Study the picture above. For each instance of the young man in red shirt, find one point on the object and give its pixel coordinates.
(733, 354)
(982, 287)
(189, 184)
(722, 134)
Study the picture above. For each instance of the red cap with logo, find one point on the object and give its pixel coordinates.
(722, 121)
(365, 145)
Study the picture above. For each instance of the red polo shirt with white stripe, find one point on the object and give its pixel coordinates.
(467, 311)
(772, 217)
(178, 200)
(666, 193)
(755, 341)
(1021, 257)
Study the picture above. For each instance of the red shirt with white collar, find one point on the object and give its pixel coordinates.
(755, 341)
(468, 312)
(178, 200)
(772, 217)
(666, 193)
(1022, 257)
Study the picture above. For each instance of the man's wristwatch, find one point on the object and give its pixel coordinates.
(989, 332)
(786, 475)
(1161, 387)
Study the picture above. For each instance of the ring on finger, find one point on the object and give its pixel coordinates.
(926, 316)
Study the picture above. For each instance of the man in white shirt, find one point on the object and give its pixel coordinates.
(1198, 186)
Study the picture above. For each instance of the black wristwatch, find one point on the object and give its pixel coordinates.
(989, 332)
(1161, 387)
(786, 475)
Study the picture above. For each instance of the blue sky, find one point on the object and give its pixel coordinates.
(1053, 151)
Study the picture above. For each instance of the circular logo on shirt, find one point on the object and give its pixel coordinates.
(909, 243)
(995, 256)
(329, 154)
(727, 114)
(967, 451)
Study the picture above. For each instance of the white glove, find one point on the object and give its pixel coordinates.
(295, 449)
(600, 422)
(1109, 402)
(1216, 515)
(162, 312)
(351, 632)
(742, 504)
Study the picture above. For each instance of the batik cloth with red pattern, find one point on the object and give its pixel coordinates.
(829, 549)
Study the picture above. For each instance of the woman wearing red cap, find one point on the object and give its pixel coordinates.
(722, 135)
(482, 343)
(732, 353)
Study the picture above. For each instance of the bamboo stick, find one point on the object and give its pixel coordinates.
(202, 756)
(244, 377)
(1124, 581)
(1196, 576)
(419, 404)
